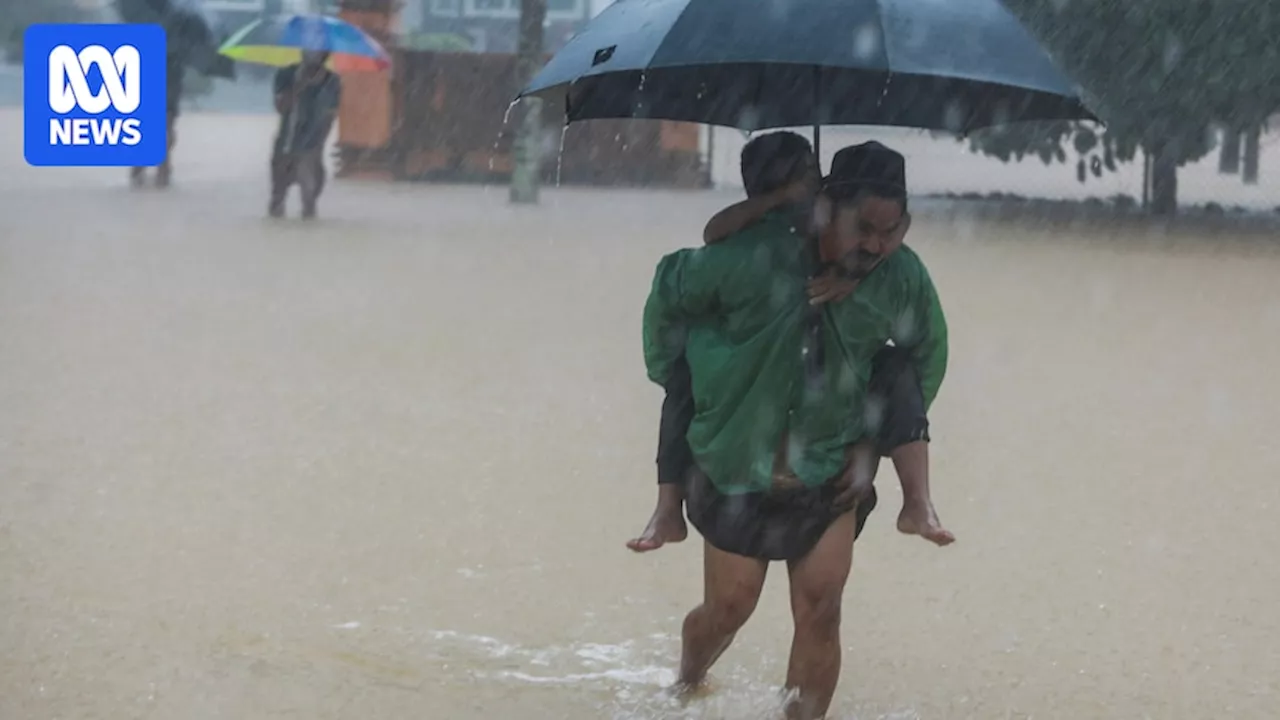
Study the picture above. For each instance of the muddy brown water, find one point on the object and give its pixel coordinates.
(383, 466)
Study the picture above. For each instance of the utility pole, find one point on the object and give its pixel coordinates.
(527, 148)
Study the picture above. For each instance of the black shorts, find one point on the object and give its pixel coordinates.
(775, 525)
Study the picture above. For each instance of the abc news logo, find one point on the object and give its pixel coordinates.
(94, 95)
(69, 91)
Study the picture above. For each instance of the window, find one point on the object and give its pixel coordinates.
(447, 8)
(556, 9)
(234, 5)
(571, 8)
(497, 8)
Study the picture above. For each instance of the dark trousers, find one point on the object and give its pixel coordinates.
(894, 407)
(306, 169)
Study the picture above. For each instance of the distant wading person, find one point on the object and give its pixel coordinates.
(777, 423)
(175, 72)
(306, 96)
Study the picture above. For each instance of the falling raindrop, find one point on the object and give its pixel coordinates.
(866, 42)
(1172, 52)
(953, 116)
(638, 107)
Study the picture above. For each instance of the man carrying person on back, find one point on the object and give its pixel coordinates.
(778, 389)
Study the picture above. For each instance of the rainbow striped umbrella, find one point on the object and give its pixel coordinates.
(280, 41)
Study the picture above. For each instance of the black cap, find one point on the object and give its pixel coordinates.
(869, 165)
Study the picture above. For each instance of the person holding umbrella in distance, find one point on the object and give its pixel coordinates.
(307, 49)
(306, 97)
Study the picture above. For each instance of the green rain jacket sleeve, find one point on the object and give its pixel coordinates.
(922, 329)
(684, 287)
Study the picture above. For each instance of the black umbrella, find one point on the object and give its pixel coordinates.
(953, 65)
(193, 32)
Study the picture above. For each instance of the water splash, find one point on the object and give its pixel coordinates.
(497, 144)
(631, 678)
(564, 131)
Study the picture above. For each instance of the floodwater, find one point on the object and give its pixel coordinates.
(383, 466)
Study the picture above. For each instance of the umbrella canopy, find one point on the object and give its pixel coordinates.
(192, 31)
(281, 40)
(953, 65)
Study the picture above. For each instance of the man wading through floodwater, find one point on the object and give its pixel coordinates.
(779, 392)
(306, 96)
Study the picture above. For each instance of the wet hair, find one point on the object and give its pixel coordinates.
(771, 162)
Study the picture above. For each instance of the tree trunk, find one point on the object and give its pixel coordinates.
(1164, 181)
(527, 148)
(1229, 155)
(1252, 140)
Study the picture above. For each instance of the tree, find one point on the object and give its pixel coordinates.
(1162, 74)
(528, 141)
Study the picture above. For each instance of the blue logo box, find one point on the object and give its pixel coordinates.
(94, 95)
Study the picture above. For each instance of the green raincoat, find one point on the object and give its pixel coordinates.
(736, 311)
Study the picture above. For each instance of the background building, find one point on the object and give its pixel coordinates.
(492, 25)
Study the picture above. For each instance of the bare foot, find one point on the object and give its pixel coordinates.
(687, 692)
(919, 518)
(665, 526)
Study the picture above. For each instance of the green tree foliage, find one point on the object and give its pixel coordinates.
(1163, 75)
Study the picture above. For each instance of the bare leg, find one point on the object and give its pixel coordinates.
(817, 589)
(666, 525)
(311, 180)
(282, 171)
(918, 516)
(164, 173)
(674, 463)
(732, 588)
